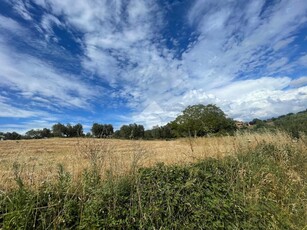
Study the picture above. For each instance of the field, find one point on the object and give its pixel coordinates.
(38, 160)
(246, 181)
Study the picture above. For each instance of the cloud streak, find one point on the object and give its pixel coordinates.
(34, 81)
(243, 56)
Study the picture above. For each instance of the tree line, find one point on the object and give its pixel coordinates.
(197, 120)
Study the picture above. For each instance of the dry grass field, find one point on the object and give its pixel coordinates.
(37, 161)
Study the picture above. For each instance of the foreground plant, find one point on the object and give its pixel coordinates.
(262, 188)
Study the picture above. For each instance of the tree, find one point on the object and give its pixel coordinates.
(38, 133)
(74, 131)
(117, 134)
(59, 130)
(33, 134)
(12, 136)
(45, 133)
(78, 130)
(69, 131)
(159, 132)
(102, 130)
(132, 131)
(97, 130)
(199, 120)
(125, 131)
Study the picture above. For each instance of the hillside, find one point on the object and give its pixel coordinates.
(293, 123)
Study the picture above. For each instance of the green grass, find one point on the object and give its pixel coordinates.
(262, 189)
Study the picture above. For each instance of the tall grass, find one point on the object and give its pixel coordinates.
(261, 186)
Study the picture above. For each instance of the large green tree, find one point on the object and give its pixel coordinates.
(38, 133)
(74, 130)
(199, 120)
(159, 132)
(102, 130)
(132, 131)
(12, 136)
(59, 130)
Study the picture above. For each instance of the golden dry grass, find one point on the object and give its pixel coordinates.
(38, 160)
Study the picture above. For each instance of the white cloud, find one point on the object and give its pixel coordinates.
(262, 98)
(303, 60)
(124, 47)
(277, 64)
(47, 23)
(85, 15)
(9, 25)
(283, 43)
(302, 81)
(20, 7)
(241, 89)
(242, 100)
(7, 110)
(23, 127)
(152, 115)
(235, 46)
(30, 77)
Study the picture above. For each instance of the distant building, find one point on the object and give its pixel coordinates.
(2, 138)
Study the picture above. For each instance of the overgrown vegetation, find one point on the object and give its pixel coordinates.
(293, 124)
(259, 188)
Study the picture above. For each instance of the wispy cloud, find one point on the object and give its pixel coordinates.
(302, 81)
(33, 78)
(238, 55)
(30, 77)
(7, 110)
(123, 45)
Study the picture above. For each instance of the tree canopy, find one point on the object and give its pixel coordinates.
(38, 133)
(60, 130)
(132, 131)
(102, 130)
(199, 120)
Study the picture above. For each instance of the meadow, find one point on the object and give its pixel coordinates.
(38, 160)
(245, 181)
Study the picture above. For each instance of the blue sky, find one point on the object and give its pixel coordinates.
(144, 61)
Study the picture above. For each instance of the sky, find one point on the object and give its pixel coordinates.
(144, 61)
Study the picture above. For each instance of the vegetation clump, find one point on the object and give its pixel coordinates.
(263, 188)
